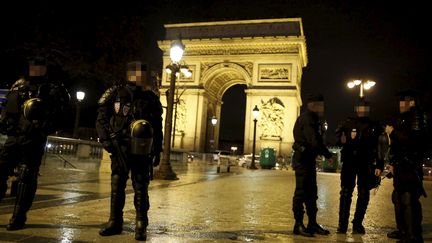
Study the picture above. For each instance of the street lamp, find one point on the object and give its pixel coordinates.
(165, 171)
(213, 122)
(80, 97)
(364, 85)
(255, 114)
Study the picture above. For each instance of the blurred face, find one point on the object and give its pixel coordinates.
(37, 70)
(135, 76)
(317, 107)
(389, 129)
(362, 111)
(405, 105)
(353, 134)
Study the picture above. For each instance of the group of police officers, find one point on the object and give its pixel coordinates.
(366, 147)
(129, 125)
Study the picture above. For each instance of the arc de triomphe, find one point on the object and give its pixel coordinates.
(267, 56)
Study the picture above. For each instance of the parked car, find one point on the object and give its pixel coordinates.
(246, 160)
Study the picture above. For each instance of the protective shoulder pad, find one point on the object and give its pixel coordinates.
(18, 84)
(108, 95)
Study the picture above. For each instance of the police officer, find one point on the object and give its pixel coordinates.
(308, 144)
(408, 141)
(33, 110)
(129, 125)
(359, 139)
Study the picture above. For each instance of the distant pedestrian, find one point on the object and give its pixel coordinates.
(358, 137)
(308, 144)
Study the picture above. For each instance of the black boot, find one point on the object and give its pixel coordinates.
(113, 227)
(361, 206)
(141, 230)
(24, 199)
(411, 213)
(313, 227)
(300, 229)
(396, 234)
(142, 205)
(115, 222)
(344, 210)
(400, 224)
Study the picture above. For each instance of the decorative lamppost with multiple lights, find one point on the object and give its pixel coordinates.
(174, 69)
(255, 114)
(363, 84)
(80, 97)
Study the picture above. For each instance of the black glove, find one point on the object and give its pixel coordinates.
(156, 159)
(108, 146)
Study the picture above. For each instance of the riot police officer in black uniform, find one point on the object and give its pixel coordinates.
(408, 141)
(308, 144)
(129, 124)
(33, 110)
(359, 139)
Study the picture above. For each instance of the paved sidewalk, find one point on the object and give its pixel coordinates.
(202, 206)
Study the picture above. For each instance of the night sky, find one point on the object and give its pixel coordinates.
(380, 40)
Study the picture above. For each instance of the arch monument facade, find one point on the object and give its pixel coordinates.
(268, 56)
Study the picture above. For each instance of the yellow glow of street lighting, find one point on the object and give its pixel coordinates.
(168, 70)
(255, 112)
(371, 83)
(176, 51)
(80, 95)
(184, 69)
(350, 85)
(188, 74)
(357, 82)
(214, 121)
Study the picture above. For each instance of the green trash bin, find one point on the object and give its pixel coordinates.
(268, 158)
(330, 165)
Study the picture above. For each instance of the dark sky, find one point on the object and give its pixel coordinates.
(385, 41)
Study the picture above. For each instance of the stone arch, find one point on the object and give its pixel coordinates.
(220, 77)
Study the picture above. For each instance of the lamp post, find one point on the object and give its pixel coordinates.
(213, 122)
(255, 114)
(80, 96)
(363, 84)
(165, 171)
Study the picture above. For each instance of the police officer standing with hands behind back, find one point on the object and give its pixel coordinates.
(308, 144)
(129, 125)
(35, 108)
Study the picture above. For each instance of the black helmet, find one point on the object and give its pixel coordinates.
(34, 109)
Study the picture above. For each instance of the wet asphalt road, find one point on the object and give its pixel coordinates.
(202, 206)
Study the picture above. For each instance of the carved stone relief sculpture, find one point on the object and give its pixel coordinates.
(272, 118)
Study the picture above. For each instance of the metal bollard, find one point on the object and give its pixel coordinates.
(218, 166)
